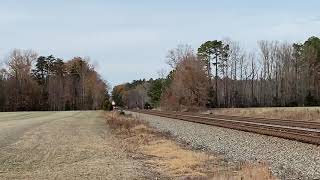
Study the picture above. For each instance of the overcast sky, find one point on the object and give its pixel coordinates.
(129, 39)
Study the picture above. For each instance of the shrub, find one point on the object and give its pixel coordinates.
(107, 106)
(115, 121)
(311, 100)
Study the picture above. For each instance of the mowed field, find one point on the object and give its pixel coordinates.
(60, 145)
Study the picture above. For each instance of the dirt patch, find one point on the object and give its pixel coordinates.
(160, 153)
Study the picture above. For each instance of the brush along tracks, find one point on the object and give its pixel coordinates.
(307, 132)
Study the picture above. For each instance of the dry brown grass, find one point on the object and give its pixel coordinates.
(293, 113)
(246, 172)
(160, 153)
(122, 123)
(175, 160)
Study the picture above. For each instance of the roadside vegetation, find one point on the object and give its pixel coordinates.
(160, 153)
(222, 74)
(31, 82)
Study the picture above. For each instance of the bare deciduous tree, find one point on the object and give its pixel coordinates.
(175, 56)
(190, 85)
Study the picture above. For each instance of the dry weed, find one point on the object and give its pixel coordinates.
(162, 154)
(122, 123)
(292, 113)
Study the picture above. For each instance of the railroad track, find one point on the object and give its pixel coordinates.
(307, 132)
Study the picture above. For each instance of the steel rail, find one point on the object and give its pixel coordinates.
(272, 121)
(275, 128)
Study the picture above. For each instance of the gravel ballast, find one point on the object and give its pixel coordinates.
(287, 159)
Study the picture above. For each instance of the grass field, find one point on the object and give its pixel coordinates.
(294, 113)
(61, 145)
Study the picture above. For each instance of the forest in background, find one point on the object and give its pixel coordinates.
(31, 82)
(223, 74)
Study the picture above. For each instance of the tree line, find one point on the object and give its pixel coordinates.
(31, 82)
(223, 74)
